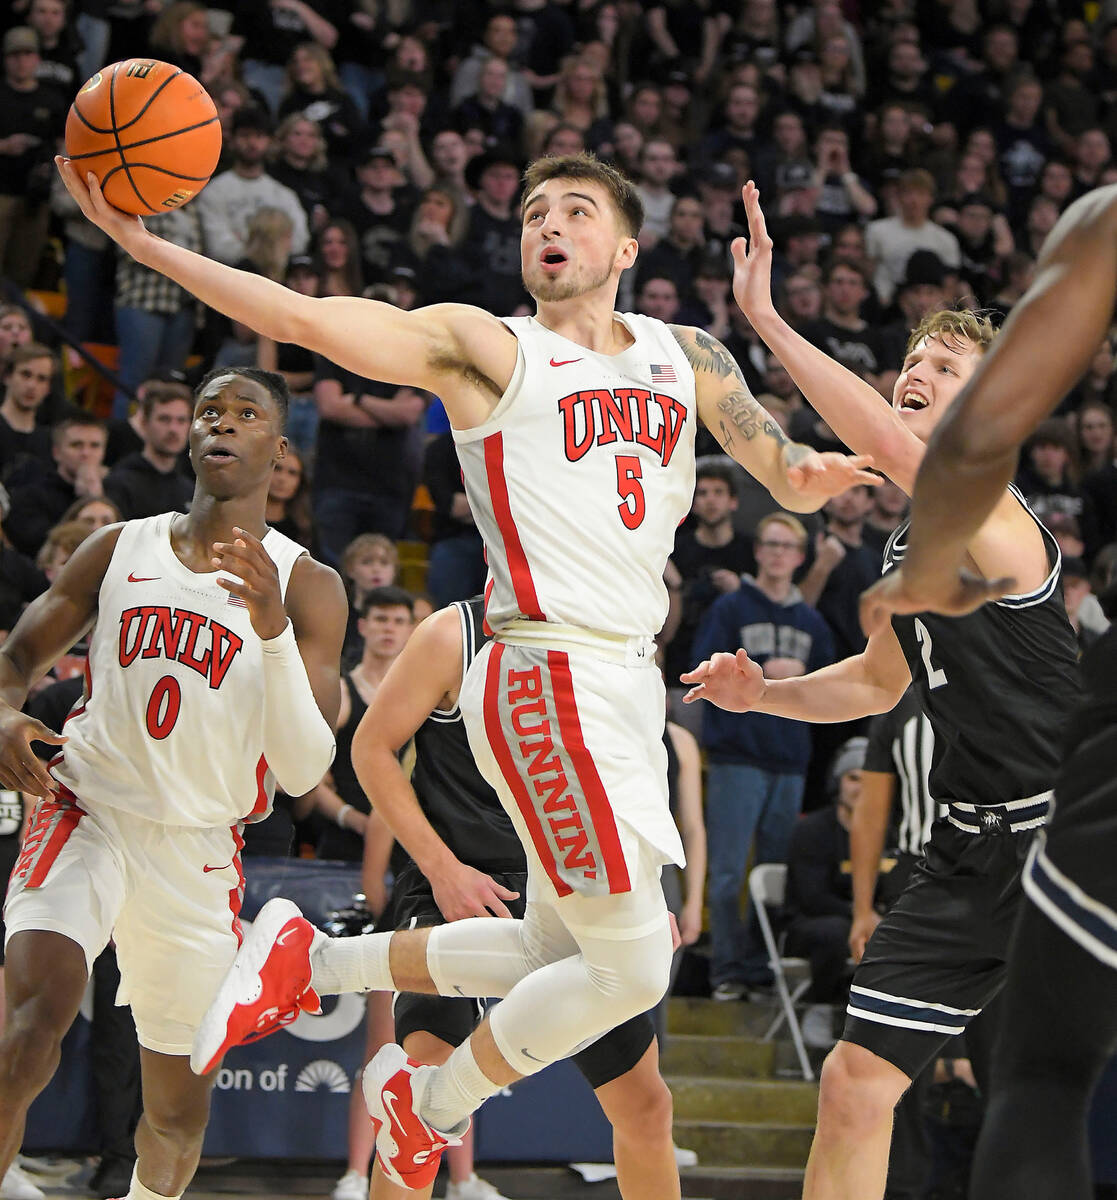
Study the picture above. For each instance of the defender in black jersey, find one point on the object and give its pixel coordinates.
(1060, 1006)
(466, 860)
(997, 687)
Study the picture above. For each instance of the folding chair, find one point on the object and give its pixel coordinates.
(767, 884)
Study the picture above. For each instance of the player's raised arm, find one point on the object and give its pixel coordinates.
(429, 348)
(1045, 346)
(48, 627)
(799, 478)
(426, 675)
(856, 412)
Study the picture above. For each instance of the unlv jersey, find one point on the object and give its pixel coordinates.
(580, 478)
(170, 725)
(997, 686)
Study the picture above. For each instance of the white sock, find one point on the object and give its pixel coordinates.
(456, 1089)
(137, 1191)
(350, 964)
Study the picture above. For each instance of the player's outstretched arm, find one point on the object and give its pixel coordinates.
(1045, 346)
(426, 675)
(49, 626)
(799, 478)
(856, 412)
(427, 348)
(860, 686)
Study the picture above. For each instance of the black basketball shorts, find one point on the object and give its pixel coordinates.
(452, 1019)
(1069, 875)
(939, 954)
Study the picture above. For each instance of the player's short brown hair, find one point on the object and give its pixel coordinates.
(588, 167)
(957, 324)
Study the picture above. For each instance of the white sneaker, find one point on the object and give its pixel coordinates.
(351, 1186)
(685, 1158)
(16, 1185)
(472, 1188)
(817, 1026)
(730, 989)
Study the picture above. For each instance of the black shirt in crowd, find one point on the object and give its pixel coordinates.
(139, 489)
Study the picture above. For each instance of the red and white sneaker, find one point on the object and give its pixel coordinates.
(267, 986)
(409, 1149)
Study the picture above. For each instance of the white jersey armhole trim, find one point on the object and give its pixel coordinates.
(492, 425)
(1045, 589)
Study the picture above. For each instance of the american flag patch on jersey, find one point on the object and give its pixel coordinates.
(663, 373)
(236, 601)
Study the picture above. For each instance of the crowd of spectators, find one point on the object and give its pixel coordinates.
(911, 155)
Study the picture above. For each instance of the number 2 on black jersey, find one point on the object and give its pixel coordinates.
(936, 676)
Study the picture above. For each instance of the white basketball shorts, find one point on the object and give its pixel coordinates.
(168, 895)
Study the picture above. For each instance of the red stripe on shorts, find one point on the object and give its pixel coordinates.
(522, 583)
(236, 894)
(40, 848)
(494, 731)
(601, 811)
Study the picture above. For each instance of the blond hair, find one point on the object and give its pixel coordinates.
(783, 518)
(957, 324)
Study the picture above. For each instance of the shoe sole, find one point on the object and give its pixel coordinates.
(239, 985)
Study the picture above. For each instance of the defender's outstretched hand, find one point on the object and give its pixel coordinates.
(122, 227)
(752, 267)
(817, 476)
(731, 681)
(951, 596)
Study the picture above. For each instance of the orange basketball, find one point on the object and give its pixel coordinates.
(148, 131)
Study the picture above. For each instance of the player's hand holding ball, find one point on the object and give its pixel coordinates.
(258, 585)
(149, 136)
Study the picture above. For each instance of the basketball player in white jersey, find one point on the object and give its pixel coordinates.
(575, 430)
(212, 674)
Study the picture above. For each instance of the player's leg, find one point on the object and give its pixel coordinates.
(425, 1048)
(849, 1155)
(934, 961)
(63, 896)
(1058, 1031)
(639, 1107)
(619, 969)
(169, 1135)
(45, 974)
(362, 1136)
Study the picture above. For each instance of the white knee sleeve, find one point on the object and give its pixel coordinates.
(480, 956)
(551, 1012)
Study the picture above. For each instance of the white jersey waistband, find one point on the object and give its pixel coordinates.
(628, 650)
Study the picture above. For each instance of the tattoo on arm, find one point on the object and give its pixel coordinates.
(743, 413)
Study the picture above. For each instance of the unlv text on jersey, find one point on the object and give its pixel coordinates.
(624, 414)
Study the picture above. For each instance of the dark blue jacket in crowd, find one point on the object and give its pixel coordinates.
(766, 629)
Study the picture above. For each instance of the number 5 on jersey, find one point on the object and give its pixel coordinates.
(630, 490)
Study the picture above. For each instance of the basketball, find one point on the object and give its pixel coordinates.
(148, 131)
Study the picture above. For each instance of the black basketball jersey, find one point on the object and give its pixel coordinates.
(463, 810)
(997, 685)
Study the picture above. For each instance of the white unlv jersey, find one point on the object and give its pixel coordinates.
(580, 478)
(171, 723)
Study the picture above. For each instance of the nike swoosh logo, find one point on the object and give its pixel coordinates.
(206, 869)
(142, 578)
(565, 362)
(524, 1052)
(285, 936)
